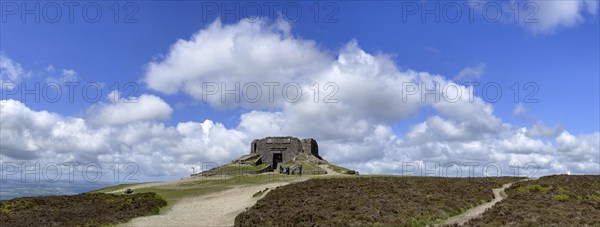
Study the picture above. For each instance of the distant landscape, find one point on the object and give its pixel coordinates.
(11, 188)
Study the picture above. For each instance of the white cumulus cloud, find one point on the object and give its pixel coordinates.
(356, 129)
(122, 111)
(157, 150)
(471, 72)
(552, 15)
(10, 70)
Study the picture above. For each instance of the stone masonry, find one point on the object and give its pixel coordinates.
(275, 150)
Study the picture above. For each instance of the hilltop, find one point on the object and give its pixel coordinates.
(271, 153)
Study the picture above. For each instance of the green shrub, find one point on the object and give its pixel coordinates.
(561, 196)
(16, 205)
(594, 197)
(534, 188)
(561, 189)
(259, 193)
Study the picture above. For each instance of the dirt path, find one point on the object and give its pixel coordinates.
(330, 172)
(474, 212)
(216, 209)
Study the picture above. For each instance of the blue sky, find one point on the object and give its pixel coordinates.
(559, 54)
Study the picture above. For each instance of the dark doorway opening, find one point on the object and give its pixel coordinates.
(277, 158)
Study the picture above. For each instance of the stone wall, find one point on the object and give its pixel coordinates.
(287, 146)
(310, 146)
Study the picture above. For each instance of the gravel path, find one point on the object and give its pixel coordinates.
(216, 209)
(474, 212)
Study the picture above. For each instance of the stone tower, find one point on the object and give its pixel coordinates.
(275, 150)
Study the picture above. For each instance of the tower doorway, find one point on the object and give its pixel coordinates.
(277, 158)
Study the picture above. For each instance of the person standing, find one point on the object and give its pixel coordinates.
(280, 169)
(287, 170)
(300, 169)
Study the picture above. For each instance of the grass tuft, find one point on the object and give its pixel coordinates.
(259, 193)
